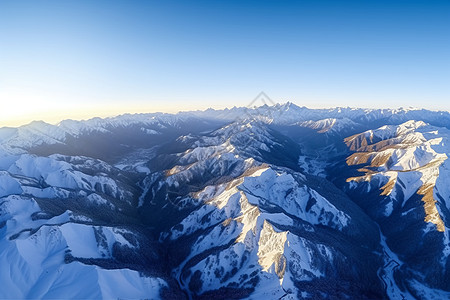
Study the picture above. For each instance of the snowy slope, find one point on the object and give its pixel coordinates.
(50, 250)
(407, 167)
(412, 152)
(330, 125)
(239, 213)
(39, 247)
(247, 227)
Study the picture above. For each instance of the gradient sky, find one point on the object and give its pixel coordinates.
(78, 59)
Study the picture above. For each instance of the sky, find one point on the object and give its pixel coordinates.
(80, 59)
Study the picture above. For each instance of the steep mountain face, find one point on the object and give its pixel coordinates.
(251, 228)
(404, 187)
(271, 202)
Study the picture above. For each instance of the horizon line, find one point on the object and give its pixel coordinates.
(22, 122)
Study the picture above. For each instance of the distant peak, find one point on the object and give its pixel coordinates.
(288, 105)
(37, 124)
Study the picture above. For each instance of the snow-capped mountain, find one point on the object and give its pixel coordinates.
(271, 202)
(336, 119)
(407, 166)
(330, 125)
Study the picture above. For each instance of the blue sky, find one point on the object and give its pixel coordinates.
(77, 59)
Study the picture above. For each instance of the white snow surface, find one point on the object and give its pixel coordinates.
(34, 249)
(256, 244)
(329, 125)
(418, 157)
(39, 271)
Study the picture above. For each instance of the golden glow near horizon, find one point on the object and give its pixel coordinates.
(17, 113)
(22, 112)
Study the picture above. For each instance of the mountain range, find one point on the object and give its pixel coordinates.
(268, 202)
